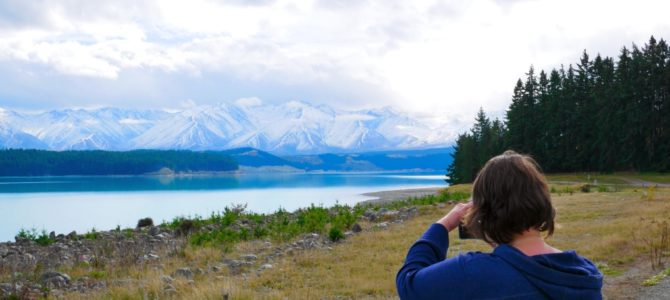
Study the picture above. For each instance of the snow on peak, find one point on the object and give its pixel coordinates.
(291, 128)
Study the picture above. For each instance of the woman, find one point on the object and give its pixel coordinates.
(510, 209)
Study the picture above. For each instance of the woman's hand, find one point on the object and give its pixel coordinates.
(453, 218)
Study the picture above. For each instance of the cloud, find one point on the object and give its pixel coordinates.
(249, 102)
(441, 58)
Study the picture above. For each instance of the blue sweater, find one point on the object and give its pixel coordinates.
(506, 273)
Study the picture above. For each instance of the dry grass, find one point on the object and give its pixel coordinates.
(607, 228)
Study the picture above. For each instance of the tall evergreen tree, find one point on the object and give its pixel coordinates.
(601, 115)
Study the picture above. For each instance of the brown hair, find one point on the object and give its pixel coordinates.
(509, 195)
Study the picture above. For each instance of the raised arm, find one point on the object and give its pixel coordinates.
(426, 274)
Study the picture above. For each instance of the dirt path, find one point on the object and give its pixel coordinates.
(643, 183)
(660, 291)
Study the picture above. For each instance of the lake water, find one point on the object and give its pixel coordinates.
(63, 204)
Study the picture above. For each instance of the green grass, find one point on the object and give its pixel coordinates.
(234, 224)
(442, 197)
(92, 235)
(654, 177)
(654, 280)
(608, 270)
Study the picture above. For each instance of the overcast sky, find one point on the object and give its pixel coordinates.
(440, 59)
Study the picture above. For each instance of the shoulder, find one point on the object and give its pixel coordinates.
(478, 265)
(477, 258)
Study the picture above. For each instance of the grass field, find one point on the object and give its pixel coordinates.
(617, 230)
(613, 178)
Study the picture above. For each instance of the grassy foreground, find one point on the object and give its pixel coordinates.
(621, 231)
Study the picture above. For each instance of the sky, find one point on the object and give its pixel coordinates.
(439, 60)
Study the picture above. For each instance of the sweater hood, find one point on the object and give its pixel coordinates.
(564, 275)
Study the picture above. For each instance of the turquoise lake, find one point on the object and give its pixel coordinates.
(63, 204)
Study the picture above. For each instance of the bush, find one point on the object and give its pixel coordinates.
(146, 222)
(92, 235)
(186, 226)
(585, 188)
(313, 219)
(335, 234)
(41, 238)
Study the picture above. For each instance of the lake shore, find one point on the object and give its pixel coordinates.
(384, 197)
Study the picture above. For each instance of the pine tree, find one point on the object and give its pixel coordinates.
(602, 115)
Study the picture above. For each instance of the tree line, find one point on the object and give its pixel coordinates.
(600, 115)
(16, 162)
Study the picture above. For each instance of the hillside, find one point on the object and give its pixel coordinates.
(143, 162)
(138, 162)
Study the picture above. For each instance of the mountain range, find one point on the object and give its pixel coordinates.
(289, 128)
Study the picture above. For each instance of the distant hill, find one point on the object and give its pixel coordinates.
(251, 157)
(404, 160)
(407, 160)
(138, 162)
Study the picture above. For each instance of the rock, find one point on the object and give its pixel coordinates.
(217, 268)
(348, 234)
(167, 279)
(356, 228)
(154, 230)
(83, 284)
(55, 280)
(249, 257)
(235, 266)
(390, 214)
(441, 205)
(152, 256)
(123, 282)
(169, 289)
(72, 235)
(56, 293)
(382, 225)
(184, 272)
(265, 267)
(370, 214)
(52, 235)
(7, 288)
(22, 240)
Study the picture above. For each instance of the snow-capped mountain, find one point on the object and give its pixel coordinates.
(290, 128)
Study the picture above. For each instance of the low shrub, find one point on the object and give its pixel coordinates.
(146, 222)
(335, 234)
(92, 235)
